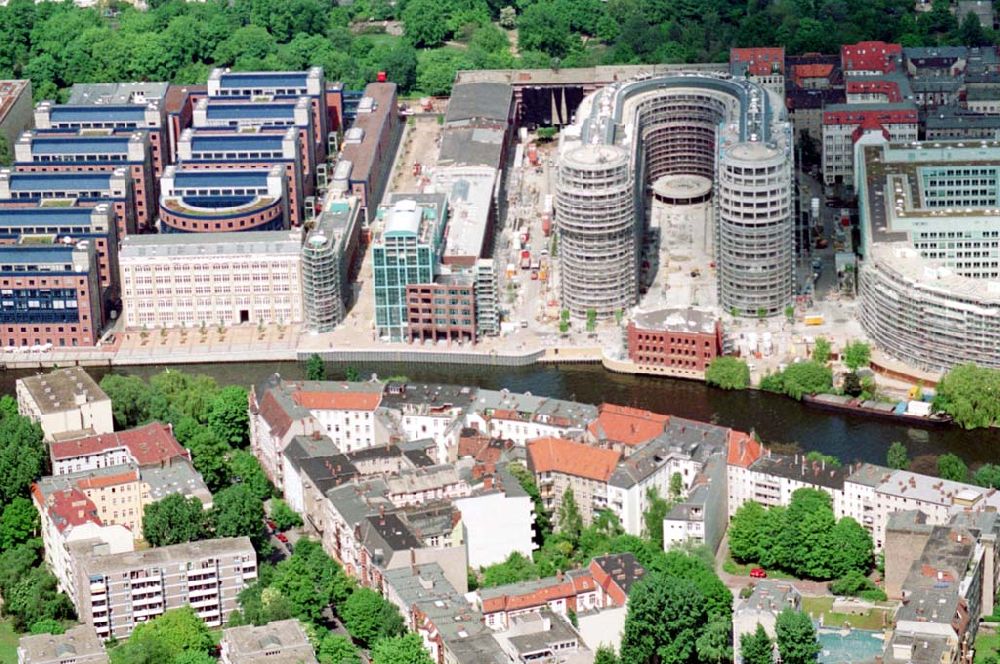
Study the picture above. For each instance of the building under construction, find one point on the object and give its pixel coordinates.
(630, 133)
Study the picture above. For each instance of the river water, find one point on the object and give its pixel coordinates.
(776, 419)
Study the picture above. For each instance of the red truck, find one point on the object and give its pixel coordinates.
(525, 259)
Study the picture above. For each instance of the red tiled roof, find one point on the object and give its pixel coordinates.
(869, 124)
(150, 444)
(869, 56)
(101, 481)
(885, 117)
(559, 589)
(272, 412)
(888, 88)
(628, 426)
(760, 61)
(67, 507)
(817, 70)
(743, 450)
(571, 458)
(347, 400)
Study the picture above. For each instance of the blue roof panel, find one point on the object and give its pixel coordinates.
(269, 111)
(42, 182)
(197, 179)
(98, 113)
(50, 216)
(237, 142)
(21, 253)
(80, 145)
(264, 80)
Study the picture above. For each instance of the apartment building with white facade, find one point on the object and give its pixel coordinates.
(195, 280)
(119, 591)
(65, 402)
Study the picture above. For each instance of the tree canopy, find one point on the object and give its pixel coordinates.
(756, 647)
(370, 618)
(897, 457)
(406, 649)
(796, 637)
(665, 617)
(951, 467)
(166, 638)
(800, 379)
(172, 520)
(971, 395)
(857, 355)
(729, 373)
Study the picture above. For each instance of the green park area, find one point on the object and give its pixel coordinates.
(876, 618)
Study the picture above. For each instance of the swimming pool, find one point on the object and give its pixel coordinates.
(854, 646)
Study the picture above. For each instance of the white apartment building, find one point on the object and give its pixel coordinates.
(844, 123)
(195, 280)
(523, 417)
(65, 401)
(120, 591)
(345, 412)
(150, 445)
(497, 522)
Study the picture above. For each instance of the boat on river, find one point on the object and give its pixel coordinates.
(917, 413)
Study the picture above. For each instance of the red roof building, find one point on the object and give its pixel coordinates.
(149, 445)
(887, 91)
(558, 455)
(347, 400)
(758, 61)
(625, 427)
(886, 116)
(875, 57)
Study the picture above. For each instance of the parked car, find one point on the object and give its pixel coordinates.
(758, 573)
(282, 537)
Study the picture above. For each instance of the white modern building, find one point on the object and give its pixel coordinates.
(65, 402)
(196, 280)
(498, 521)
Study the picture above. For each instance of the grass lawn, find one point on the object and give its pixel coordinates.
(736, 569)
(875, 619)
(8, 643)
(381, 40)
(986, 644)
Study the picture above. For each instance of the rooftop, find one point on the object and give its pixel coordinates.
(209, 245)
(362, 155)
(797, 467)
(558, 455)
(81, 181)
(79, 644)
(470, 194)
(10, 92)
(116, 93)
(163, 555)
(74, 114)
(279, 642)
(622, 568)
(115, 144)
(385, 534)
(769, 596)
(627, 426)
(677, 319)
(484, 102)
(61, 389)
(150, 444)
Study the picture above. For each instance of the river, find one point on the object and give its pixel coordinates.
(775, 418)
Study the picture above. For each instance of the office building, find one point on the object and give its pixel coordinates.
(679, 340)
(72, 189)
(15, 109)
(65, 401)
(405, 251)
(607, 159)
(844, 125)
(930, 279)
(199, 279)
(89, 152)
(50, 295)
(444, 310)
(278, 642)
(331, 255)
(77, 645)
(128, 111)
(206, 201)
(120, 591)
(369, 147)
(60, 225)
(253, 148)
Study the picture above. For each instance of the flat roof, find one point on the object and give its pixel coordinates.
(117, 93)
(45, 182)
(47, 145)
(236, 141)
(119, 562)
(56, 391)
(207, 245)
(677, 319)
(362, 155)
(78, 643)
(480, 101)
(220, 108)
(197, 178)
(470, 194)
(53, 216)
(98, 113)
(264, 79)
(10, 92)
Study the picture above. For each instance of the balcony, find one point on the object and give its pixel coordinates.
(98, 588)
(148, 612)
(207, 601)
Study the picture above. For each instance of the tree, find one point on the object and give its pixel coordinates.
(400, 65)
(23, 456)
(245, 470)
(796, 637)
(854, 550)
(852, 384)
(406, 649)
(515, 568)
(971, 33)
(17, 562)
(248, 42)
(656, 510)
(237, 512)
(508, 18)
(809, 377)
(426, 22)
(823, 459)
(35, 597)
(747, 532)
(591, 318)
(18, 524)
(173, 520)
(821, 350)
(315, 368)
(130, 397)
(369, 617)
(193, 657)
(284, 517)
(570, 521)
(729, 373)
(165, 638)
(790, 313)
(988, 475)
(857, 355)
(47, 626)
(228, 416)
(337, 649)
(543, 27)
(971, 395)
(806, 537)
(756, 647)
(6, 155)
(209, 455)
(713, 644)
(676, 487)
(897, 457)
(524, 477)
(664, 617)
(951, 467)
(605, 655)
(436, 69)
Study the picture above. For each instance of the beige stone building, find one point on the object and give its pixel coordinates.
(560, 464)
(66, 403)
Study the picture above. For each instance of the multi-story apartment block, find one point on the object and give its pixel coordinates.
(345, 412)
(310, 83)
(120, 591)
(762, 65)
(560, 465)
(625, 429)
(370, 147)
(15, 109)
(149, 445)
(253, 148)
(406, 251)
(72, 189)
(524, 417)
(497, 520)
(96, 225)
(141, 114)
(843, 125)
(89, 151)
(442, 310)
(870, 58)
(205, 201)
(265, 113)
(198, 279)
(281, 641)
(65, 402)
(330, 256)
(677, 340)
(50, 294)
(77, 645)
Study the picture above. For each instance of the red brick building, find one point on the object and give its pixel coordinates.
(684, 339)
(445, 309)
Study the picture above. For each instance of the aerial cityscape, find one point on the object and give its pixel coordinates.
(555, 333)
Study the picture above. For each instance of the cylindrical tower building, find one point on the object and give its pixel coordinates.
(598, 235)
(754, 236)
